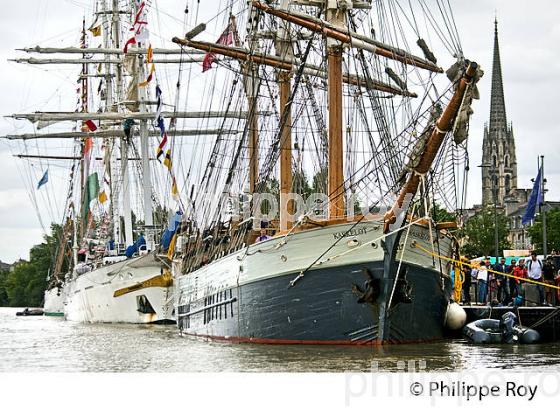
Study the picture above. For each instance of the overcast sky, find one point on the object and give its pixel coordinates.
(529, 37)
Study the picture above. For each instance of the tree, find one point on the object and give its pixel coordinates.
(319, 183)
(479, 233)
(300, 184)
(552, 231)
(3, 294)
(440, 214)
(26, 283)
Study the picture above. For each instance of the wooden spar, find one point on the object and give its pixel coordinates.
(356, 4)
(283, 64)
(116, 116)
(78, 50)
(39, 61)
(347, 37)
(114, 134)
(286, 205)
(433, 144)
(71, 158)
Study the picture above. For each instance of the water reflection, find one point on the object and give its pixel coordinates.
(52, 344)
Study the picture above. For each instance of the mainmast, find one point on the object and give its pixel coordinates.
(125, 186)
(83, 170)
(144, 153)
(110, 105)
(252, 84)
(336, 16)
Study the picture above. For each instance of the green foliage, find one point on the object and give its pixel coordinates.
(301, 184)
(440, 214)
(26, 283)
(479, 233)
(319, 183)
(552, 231)
(3, 292)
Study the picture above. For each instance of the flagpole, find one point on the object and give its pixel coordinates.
(542, 208)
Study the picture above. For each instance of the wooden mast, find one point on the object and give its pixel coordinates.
(284, 51)
(252, 84)
(253, 143)
(83, 109)
(286, 205)
(335, 185)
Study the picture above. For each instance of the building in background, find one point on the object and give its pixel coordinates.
(499, 163)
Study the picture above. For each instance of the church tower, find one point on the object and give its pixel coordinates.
(499, 164)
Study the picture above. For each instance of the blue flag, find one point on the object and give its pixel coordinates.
(44, 179)
(534, 200)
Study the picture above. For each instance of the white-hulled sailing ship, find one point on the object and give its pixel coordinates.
(374, 123)
(106, 268)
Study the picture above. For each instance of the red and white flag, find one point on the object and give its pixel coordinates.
(225, 39)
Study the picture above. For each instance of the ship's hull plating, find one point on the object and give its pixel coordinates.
(54, 302)
(248, 298)
(91, 296)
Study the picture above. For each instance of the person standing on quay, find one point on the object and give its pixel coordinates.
(467, 282)
(491, 285)
(520, 271)
(482, 281)
(474, 279)
(512, 282)
(501, 281)
(535, 272)
(548, 276)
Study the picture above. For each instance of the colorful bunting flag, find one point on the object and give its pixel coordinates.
(102, 197)
(139, 26)
(167, 160)
(95, 31)
(44, 179)
(149, 60)
(90, 193)
(90, 125)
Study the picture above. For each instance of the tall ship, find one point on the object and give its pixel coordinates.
(114, 150)
(328, 217)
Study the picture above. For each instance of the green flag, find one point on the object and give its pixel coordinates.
(90, 193)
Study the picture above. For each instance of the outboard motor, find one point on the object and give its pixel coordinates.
(507, 323)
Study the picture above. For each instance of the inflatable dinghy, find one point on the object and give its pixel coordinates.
(505, 330)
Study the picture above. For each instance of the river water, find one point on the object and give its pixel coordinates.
(53, 344)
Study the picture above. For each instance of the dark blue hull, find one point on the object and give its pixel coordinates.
(321, 308)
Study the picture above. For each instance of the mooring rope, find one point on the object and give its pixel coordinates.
(536, 282)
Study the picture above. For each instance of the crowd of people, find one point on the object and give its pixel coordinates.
(488, 286)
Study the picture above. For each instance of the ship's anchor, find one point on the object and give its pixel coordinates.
(403, 291)
(372, 288)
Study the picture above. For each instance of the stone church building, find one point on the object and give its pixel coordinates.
(499, 162)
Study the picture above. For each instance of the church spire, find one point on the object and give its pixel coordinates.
(498, 120)
(499, 172)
